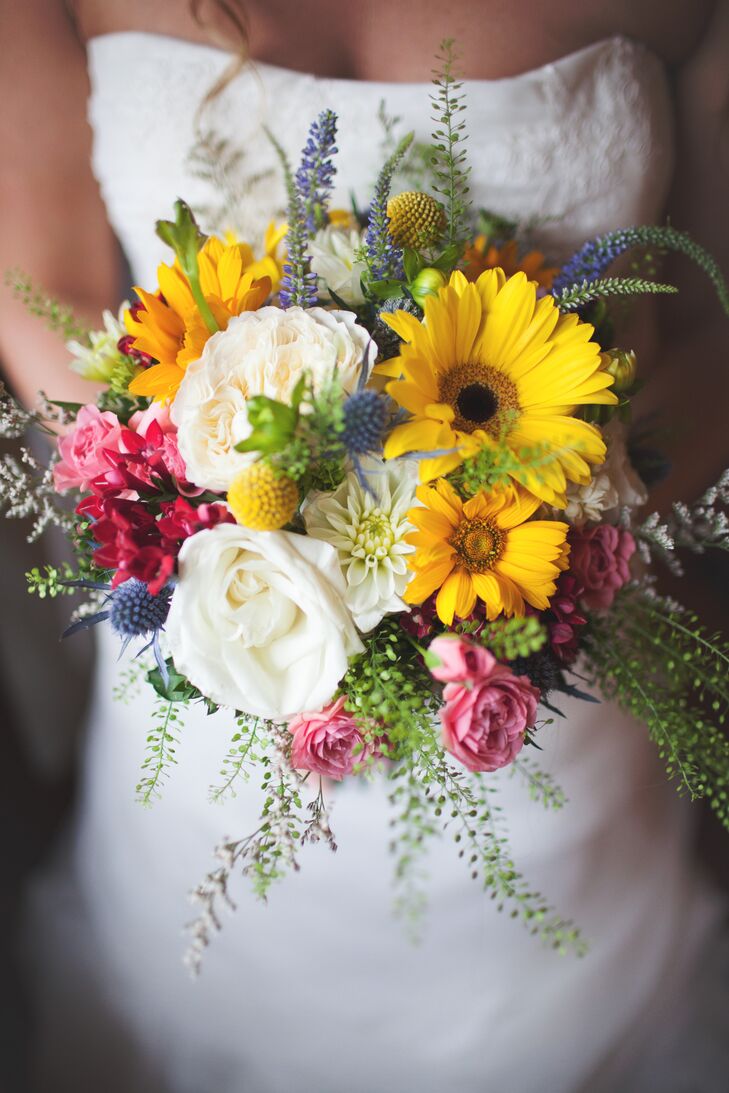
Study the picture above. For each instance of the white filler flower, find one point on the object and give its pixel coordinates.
(262, 352)
(333, 260)
(613, 486)
(97, 360)
(258, 622)
(367, 527)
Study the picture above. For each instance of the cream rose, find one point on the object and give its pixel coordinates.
(262, 352)
(258, 620)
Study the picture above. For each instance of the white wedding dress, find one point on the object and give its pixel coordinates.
(320, 991)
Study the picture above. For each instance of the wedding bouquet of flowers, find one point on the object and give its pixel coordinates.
(374, 493)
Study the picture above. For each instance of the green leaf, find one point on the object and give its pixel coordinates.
(186, 239)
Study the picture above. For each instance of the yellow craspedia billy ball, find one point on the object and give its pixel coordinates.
(416, 220)
(262, 498)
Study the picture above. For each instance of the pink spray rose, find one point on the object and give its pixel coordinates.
(599, 560)
(484, 720)
(82, 450)
(461, 660)
(328, 742)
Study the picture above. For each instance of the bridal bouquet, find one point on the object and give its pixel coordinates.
(374, 492)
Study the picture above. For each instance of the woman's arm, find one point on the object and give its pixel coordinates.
(690, 382)
(52, 220)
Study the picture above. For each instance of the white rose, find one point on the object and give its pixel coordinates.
(262, 352)
(258, 621)
(333, 261)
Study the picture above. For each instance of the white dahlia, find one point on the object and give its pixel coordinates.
(367, 525)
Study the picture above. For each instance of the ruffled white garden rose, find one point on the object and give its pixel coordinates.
(367, 527)
(258, 621)
(333, 260)
(262, 352)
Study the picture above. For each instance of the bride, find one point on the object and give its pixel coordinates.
(575, 124)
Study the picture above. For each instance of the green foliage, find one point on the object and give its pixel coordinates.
(50, 581)
(494, 227)
(161, 746)
(389, 685)
(129, 681)
(659, 663)
(449, 165)
(496, 465)
(508, 639)
(572, 299)
(58, 317)
(307, 446)
(177, 688)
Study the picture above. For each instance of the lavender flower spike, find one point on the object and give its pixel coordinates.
(309, 193)
(316, 173)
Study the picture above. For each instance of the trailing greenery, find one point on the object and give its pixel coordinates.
(572, 299)
(449, 156)
(432, 796)
(161, 746)
(58, 317)
(660, 664)
(246, 751)
(542, 787)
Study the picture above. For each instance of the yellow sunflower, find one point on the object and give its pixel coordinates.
(171, 329)
(491, 365)
(480, 255)
(485, 549)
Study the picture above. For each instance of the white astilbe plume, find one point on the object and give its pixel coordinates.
(366, 522)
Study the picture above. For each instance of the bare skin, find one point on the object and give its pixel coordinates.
(53, 223)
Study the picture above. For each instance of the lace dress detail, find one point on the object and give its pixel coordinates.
(320, 991)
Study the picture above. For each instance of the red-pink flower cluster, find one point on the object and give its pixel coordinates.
(136, 474)
(599, 558)
(487, 709)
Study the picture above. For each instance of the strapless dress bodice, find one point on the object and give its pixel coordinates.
(578, 146)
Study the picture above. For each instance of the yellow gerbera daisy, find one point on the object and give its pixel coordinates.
(490, 364)
(485, 549)
(172, 330)
(480, 255)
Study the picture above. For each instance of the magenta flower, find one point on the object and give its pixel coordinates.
(328, 742)
(484, 721)
(599, 558)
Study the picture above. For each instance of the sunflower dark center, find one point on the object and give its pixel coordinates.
(477, 402)
(482, 397)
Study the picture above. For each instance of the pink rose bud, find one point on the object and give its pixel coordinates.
(459, 660)
(82, 450)
(328, 742)
(599, 558)
(484, 723)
